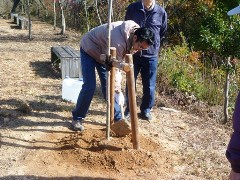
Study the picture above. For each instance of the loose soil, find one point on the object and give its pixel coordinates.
(36, 141)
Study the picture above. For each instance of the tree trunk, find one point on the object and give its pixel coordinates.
(43, 5)
(54, 14)
(226, 90)
(85, 8)
(29, 21)
(63, 18)
(100, 21)
(63, 23)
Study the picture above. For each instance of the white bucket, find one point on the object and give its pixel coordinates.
(71, 88)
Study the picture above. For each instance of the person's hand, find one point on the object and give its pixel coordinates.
(106, 60)
(108, 65)
(234, 176)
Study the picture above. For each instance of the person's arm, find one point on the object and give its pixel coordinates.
(164, 25)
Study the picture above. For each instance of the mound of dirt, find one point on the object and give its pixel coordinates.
(93, 151)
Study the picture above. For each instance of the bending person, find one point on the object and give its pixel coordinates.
(127, 37)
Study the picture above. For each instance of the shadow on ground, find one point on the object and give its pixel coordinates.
(45, 69)
(53, 178)
(24, 107)
(35, 37)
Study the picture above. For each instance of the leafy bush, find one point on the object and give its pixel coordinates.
(189, 71)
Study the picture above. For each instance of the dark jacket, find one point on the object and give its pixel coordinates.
(233, 150)
(155, 19)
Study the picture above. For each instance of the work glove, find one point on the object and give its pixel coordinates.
(108, 63)
(119, 98)
(106, 60)
(118, 80)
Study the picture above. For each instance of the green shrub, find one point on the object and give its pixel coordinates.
(187, 71)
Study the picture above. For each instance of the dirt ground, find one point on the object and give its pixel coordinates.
(36, 142)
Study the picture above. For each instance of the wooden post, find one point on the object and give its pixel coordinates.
(112, 85)
(132, 102)
(108, 73)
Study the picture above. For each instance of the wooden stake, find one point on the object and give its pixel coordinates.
(132, 102)
(108, 73)
(112, 85)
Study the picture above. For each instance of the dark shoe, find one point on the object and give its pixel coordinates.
(127, 115)
(77, 126)
(146, 116)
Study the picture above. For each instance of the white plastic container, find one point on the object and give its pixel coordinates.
(71, 88)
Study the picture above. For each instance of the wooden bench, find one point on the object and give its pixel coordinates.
(22, 22)
(68, 60)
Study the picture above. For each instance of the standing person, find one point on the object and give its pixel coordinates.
(233, 149)
(147, 13)
(126, 36)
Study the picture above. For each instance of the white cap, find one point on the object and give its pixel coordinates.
(235, 10)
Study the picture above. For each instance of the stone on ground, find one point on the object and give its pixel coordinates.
(121, 128)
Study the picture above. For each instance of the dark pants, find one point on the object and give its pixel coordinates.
(147, 67)
(233, 150)
(89, 85)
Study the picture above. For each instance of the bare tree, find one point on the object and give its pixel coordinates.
(63, 17)
(86, 12)
(43, 6)
(96, 5)
(226, 90)
(54, 14)
(29, 21)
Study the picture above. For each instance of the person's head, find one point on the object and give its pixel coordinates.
(148, 3)
(142, 39)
